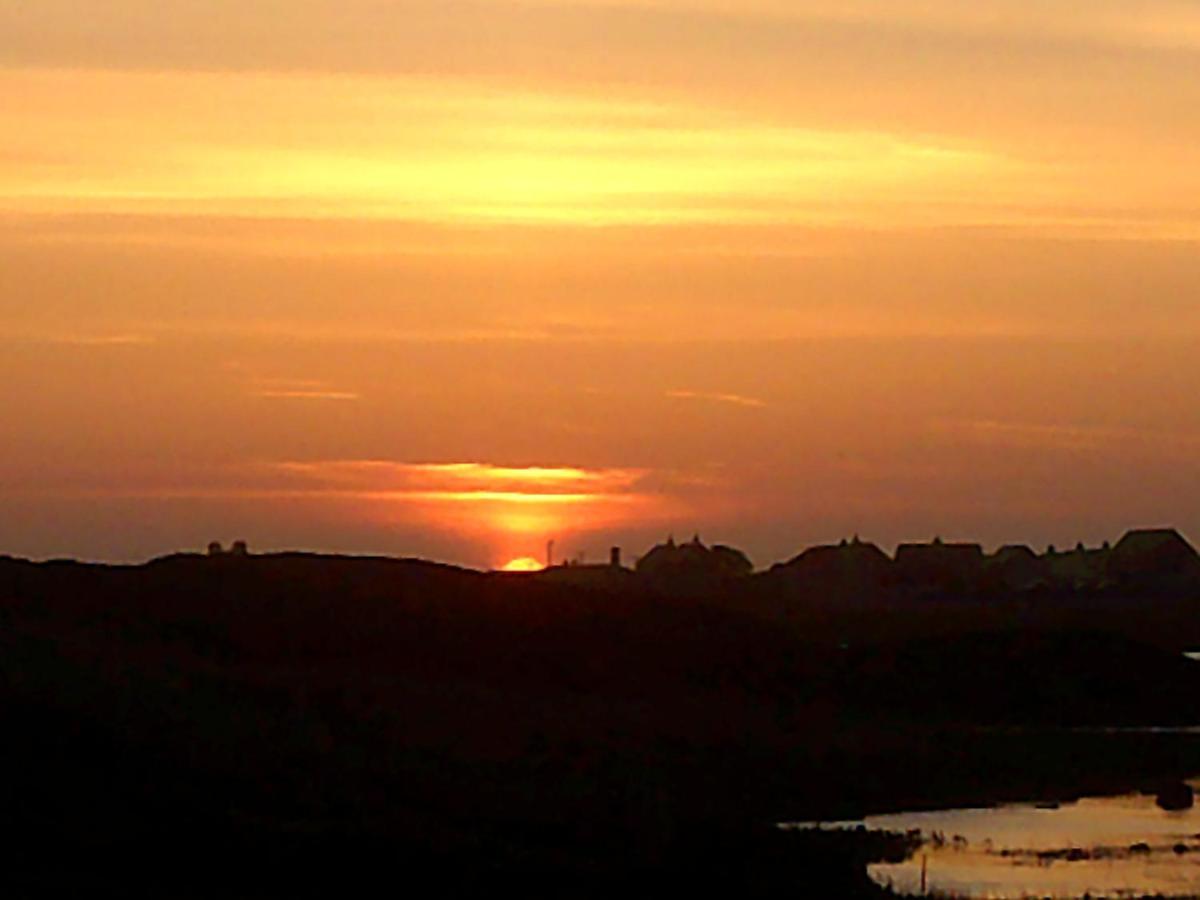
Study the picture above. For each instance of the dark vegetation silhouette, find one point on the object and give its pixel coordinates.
(232, 724)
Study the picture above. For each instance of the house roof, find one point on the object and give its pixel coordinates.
(855, 552)
(1014, 551)
(1142, 539)
(938, 548)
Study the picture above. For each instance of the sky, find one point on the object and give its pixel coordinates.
(454, 278)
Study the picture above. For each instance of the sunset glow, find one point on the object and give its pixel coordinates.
(397, 147)
(523, 564)
(506, 508)
(454, 279)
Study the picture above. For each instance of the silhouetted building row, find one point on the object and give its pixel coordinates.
(1143, 558)
(860, 570)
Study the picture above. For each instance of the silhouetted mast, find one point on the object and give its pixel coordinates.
(549, 553)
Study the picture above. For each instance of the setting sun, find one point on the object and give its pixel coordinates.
(522, 564)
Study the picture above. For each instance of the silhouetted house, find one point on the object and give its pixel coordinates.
(1015, 567)
(1156, 554)
(940, 566)
(731, 561)
(658, 558)
(693, 561)
(1079, 569)
(851, 570)
(237, 548)
(610, 575)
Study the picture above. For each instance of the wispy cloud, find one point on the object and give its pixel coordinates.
(1061, 436)
(1149, 23)
(81, 339)
(307, 395)
(446, 485)
(390, 38)
(300, 389)
(461, 480)
(1066, 436)
(718, 397)
(440, 151)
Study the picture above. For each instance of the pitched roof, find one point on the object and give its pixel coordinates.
(1140, 539)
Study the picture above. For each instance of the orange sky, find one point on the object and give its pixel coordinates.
(451, 278)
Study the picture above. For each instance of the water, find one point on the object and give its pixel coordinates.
(1102, 847)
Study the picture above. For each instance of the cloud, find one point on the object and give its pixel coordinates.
(309, 391)
(1069, 436)
(436, 35)
(470, 495)
(1149, 23)
(1035, 435)
(443, 151)
(307, 395)
(300, 389)
(460, 481)
(81, 339)
(718, 397)
(102, 340)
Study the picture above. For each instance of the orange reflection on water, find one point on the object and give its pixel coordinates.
(1123, 846)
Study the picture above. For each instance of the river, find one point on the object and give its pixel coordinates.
(1097, 846)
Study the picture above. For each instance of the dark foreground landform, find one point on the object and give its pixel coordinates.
(295, 725)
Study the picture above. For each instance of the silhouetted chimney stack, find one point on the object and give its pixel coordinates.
(614, 557)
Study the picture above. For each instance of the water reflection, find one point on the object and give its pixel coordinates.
(1114, 847)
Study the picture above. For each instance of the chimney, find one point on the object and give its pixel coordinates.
(614, 557)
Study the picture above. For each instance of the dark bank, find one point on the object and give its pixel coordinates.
(300, 725)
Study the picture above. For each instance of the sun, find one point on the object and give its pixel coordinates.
(522, 564)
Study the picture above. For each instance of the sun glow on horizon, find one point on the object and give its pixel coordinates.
(506, 508)
(523, 564)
